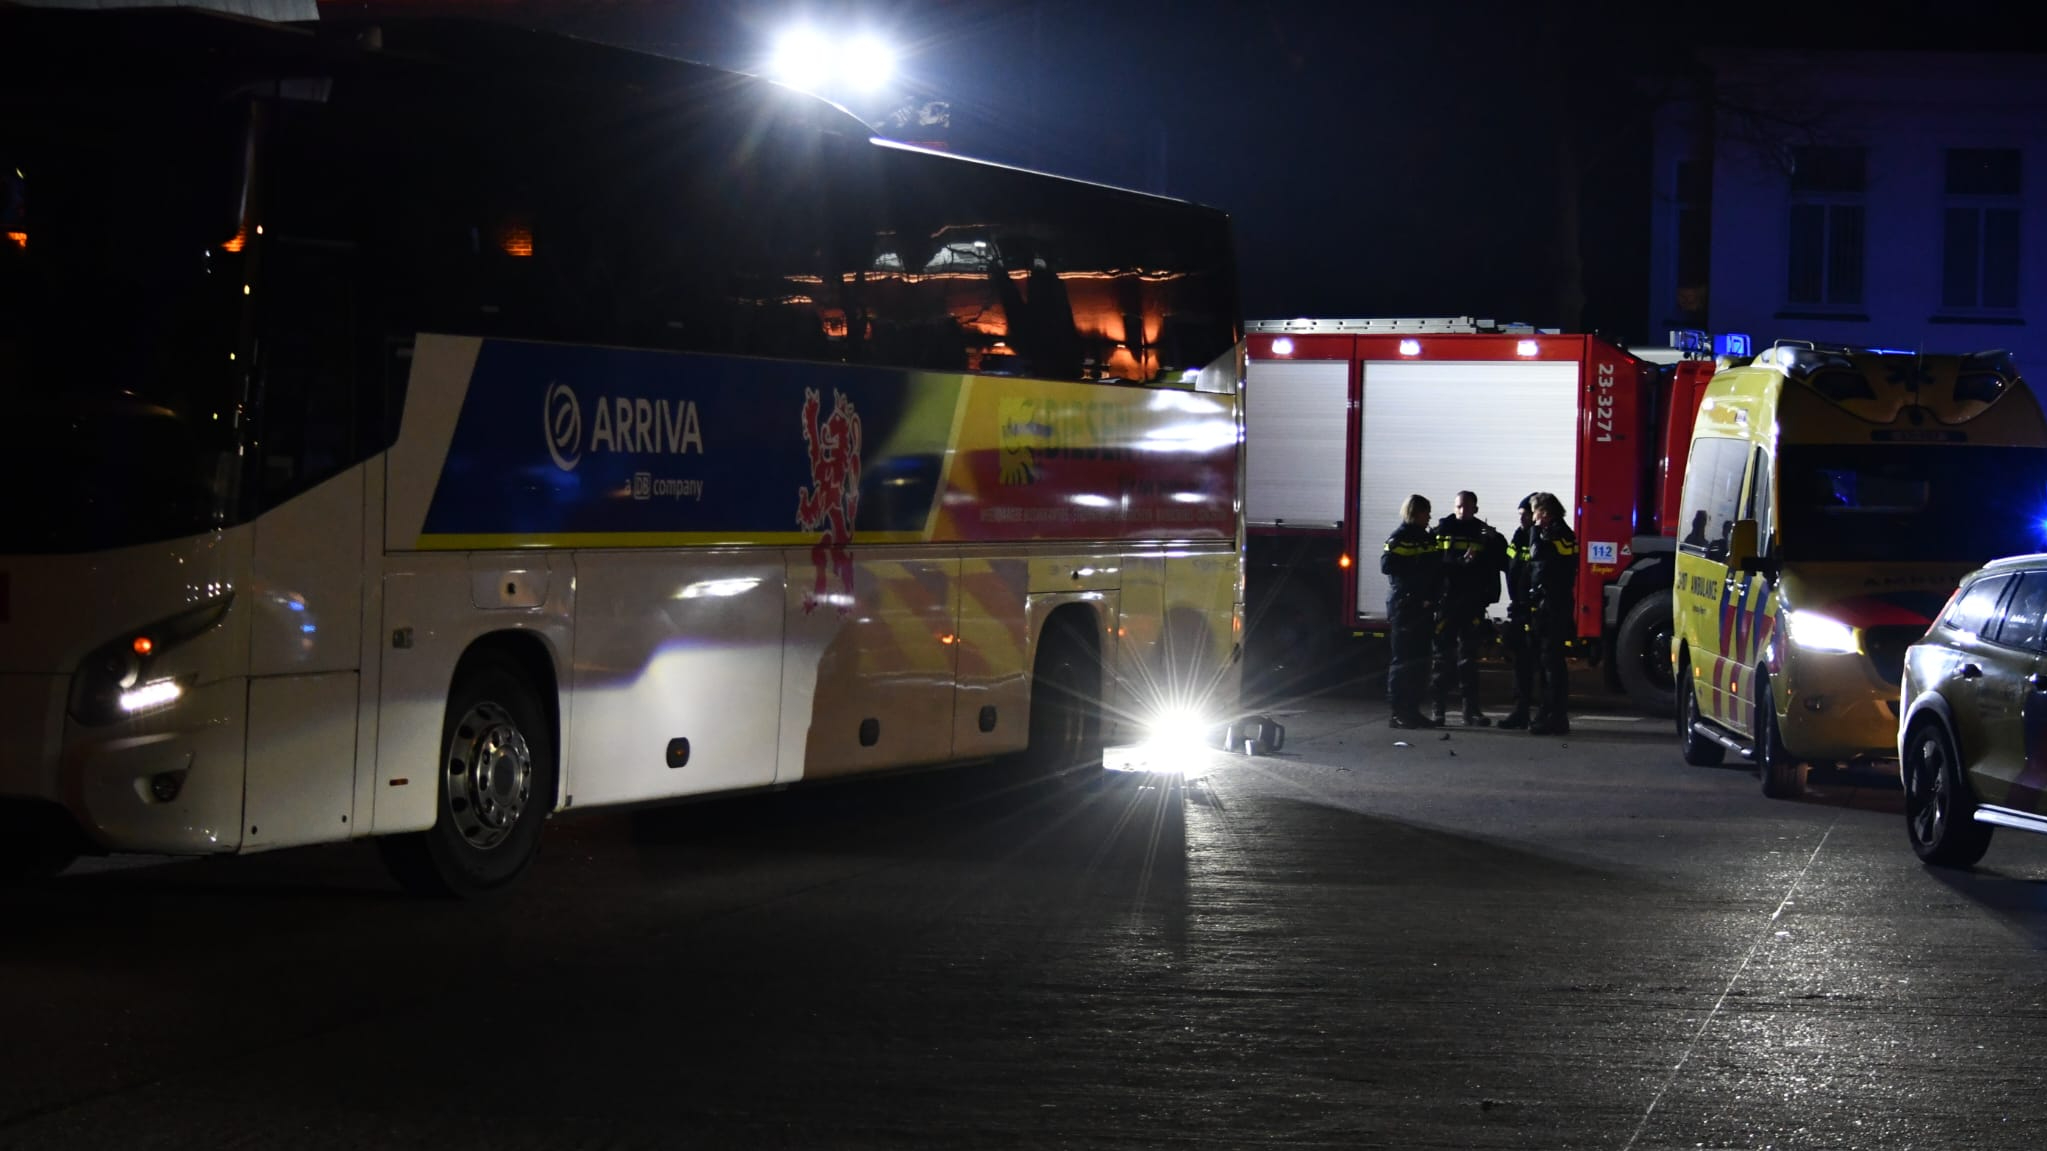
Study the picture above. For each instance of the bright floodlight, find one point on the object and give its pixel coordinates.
(807, 58)
(802, 58)
(867, 63)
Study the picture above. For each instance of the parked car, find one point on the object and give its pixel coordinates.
(1972, 742)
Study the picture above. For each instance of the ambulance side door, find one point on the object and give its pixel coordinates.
(1711, 503)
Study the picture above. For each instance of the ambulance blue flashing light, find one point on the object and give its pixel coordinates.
(1724, 344)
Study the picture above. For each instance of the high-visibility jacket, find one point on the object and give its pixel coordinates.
(1520, 568)
(1474, 556)
(1553, 569)
(1413, 563)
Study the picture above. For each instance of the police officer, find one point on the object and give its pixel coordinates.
(1474, 556)
(1553, 573)
(1515, 637)
(1413, 566)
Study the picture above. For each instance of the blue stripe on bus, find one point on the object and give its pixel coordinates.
(558, 440)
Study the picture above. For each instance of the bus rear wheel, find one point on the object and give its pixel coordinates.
(1066, 692)
(1289, 640)
(496, 782)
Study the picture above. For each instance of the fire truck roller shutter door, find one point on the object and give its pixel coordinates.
(1499, 429)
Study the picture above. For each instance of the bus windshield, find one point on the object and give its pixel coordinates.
(121, 291)
(1874, 503)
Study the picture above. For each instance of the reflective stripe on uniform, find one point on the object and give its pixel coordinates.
(1409, 549)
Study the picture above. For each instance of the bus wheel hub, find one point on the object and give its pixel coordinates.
(490, 775)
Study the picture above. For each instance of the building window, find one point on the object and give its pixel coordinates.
(1826, 227)
(1980, 259)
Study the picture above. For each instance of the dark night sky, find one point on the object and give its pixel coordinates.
(1378, 159)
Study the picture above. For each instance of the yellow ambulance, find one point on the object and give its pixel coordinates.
(1832, 500)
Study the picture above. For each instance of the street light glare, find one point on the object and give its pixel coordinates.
(868, 63)
(808, 58)
(802, 58)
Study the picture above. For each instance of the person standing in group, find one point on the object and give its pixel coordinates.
(1519, 643)
(1474, 556)
(1553, 574)
(1413, 565)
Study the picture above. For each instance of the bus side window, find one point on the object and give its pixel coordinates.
(308, 415)
(308, 412)
(456, 205)
(926, 296)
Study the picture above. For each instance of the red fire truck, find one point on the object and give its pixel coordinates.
(1345, 418)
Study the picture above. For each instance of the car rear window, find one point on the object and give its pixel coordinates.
(2025, 613)
(1976, 607)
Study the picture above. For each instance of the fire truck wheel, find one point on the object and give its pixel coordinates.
(1066, 689)
(1698, 750)
(1642, 654)
(1783, 775)
(496, 784)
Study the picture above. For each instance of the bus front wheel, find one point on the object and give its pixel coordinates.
(496, 783)
(34, 844)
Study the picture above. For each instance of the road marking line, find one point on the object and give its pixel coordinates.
(1768, 934)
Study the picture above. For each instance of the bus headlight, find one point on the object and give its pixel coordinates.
(150, 696)
(124, 677)
(1815, 632)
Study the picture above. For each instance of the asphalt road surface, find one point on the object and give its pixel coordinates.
(1478, 939)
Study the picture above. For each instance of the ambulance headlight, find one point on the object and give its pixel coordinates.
(1815, 632)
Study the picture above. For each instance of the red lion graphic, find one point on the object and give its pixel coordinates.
(832, 503)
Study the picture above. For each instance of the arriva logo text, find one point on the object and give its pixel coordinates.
(621, 424)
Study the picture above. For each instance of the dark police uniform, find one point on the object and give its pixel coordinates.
(1413, 565)
(1474, 555)
(1519, 643)
(1553, 574)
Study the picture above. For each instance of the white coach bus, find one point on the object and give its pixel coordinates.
(420, 431)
